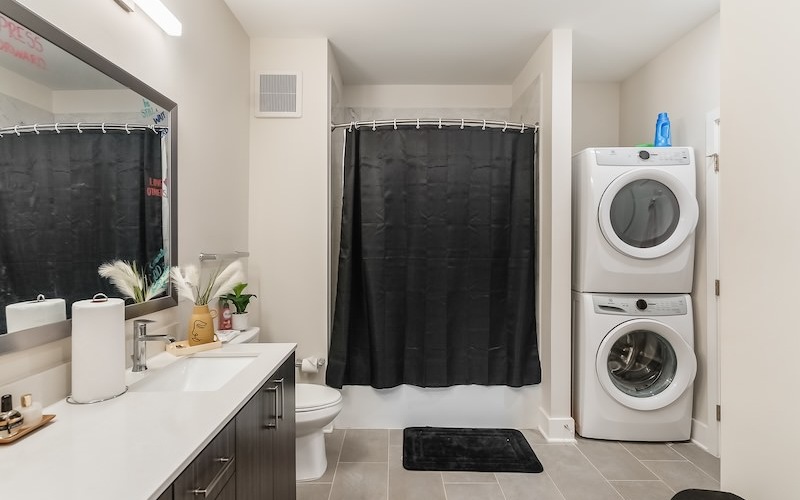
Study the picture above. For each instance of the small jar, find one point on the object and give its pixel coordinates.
(31, 410)
(10, 420)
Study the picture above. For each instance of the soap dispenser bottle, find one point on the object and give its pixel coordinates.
(10, 420)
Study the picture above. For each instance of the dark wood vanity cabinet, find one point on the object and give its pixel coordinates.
(253, 457)
(210, 474)
(265, 440)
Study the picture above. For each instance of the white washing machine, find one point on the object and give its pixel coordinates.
(634, 213)
(633, 366)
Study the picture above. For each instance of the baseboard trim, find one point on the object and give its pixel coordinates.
(703, 436)
(556, 429)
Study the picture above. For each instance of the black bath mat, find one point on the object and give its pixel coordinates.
(476, 450)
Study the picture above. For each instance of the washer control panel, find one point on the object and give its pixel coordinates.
(640, 305)
(657, 157)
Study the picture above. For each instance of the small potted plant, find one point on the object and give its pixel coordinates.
(240, 301)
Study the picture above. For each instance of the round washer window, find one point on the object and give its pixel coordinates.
(642, 363)
(644, 213)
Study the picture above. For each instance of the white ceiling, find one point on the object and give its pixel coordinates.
(475, 41)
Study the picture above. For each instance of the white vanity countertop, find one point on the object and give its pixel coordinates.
(134, 446)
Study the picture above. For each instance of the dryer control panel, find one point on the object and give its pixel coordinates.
(658, 157)
(640, 305)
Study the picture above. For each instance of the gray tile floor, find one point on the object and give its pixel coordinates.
(366, 464)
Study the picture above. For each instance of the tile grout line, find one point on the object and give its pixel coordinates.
(388, 458)
(692, 462)
(598, 470)
(654, 472)
(499, 486)
(563, 496)
(336, 468)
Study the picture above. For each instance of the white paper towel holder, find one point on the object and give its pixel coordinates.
(100, 297)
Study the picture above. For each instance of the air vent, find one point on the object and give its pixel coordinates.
(279, 95)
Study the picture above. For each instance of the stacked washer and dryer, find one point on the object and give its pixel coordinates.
(634, 215)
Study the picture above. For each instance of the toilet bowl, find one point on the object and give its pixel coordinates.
(316, 407)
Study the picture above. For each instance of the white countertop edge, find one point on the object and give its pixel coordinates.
(133, 446)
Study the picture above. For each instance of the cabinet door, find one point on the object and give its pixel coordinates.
(254, 445)
(208, 474)
(284, 446)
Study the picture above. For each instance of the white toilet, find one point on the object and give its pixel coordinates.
(315, 408)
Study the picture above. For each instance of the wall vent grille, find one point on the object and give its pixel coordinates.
(278, 95)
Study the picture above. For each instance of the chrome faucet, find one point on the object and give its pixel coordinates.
(140, 339)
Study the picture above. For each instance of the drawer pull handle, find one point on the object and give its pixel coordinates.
(283, 399)
(268, 424)
(208, 490)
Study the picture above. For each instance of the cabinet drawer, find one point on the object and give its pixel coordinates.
(208, 474)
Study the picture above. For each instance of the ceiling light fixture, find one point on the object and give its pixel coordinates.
(159, 13)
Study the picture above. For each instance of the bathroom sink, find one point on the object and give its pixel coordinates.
(193, 374)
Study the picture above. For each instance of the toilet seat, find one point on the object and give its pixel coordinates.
(312, 397)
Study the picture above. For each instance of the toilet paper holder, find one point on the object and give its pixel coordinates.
(320, 362)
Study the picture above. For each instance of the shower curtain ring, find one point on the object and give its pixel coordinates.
(522, 129)
(79, 128)
(462, 124)
(440, 123)
(56, 127)
(153, 128)
(126, 129)
(16, 131)
(417, 123)
(505, 126)
(351, 127)
(395, 123)
(35, 129)
(484, 125)
(103, 127)
(373, 125)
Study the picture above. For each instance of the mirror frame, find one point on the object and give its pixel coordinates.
(26, 339)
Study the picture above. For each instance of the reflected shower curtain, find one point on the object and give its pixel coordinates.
(76, 200)
(436, 267)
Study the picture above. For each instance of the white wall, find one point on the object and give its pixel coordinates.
(595, 115)
(208, 77)
(684, 81)
(289, 201)
(759, 248)
(543, 92)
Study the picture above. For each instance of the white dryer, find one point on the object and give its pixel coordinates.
(634, 213)
(633, 366)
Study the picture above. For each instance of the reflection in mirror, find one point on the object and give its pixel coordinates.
(87, 176)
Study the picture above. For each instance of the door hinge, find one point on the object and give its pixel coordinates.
(715, 156)
(716, 288)
(719, 413)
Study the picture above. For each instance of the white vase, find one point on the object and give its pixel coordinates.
(239, 321)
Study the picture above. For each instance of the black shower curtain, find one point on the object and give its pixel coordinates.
(436, 267)
(71, 201)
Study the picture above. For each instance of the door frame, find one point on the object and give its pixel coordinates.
(711, 438)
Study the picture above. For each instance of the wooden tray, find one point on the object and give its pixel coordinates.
(182, 348)
(25, 430)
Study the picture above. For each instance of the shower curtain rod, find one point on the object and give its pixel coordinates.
(440, 122)
(80, 127)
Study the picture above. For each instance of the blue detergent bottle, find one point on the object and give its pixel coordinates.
(663, 135)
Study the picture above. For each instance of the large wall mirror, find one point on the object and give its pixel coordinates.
(87, 176)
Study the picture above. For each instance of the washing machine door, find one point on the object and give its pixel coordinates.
(647, 213)
(645, 364)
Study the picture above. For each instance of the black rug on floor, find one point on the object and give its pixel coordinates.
(476, 450)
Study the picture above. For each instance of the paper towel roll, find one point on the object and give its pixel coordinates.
(98, 349)
(24, 315)
(309, 365)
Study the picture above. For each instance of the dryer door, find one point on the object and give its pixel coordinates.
(647, 213)
(645, 364)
